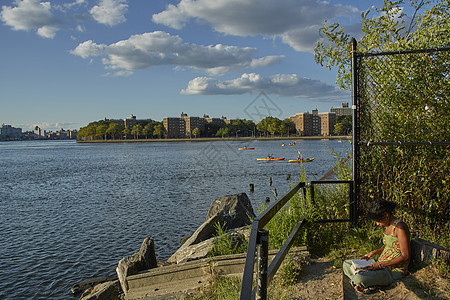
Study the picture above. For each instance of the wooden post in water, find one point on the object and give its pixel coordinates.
(252, 187)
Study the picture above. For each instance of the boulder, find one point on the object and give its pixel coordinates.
(233, 211)
(192, 252)
(236, 210)
(143, 260)
(81, 286)
(105, 291)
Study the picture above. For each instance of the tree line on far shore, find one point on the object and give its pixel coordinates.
(146, 129)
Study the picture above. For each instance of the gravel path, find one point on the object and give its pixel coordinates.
(320, 280)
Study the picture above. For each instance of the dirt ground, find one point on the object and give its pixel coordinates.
(320, 280)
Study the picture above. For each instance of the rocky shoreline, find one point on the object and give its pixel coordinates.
(233, 212)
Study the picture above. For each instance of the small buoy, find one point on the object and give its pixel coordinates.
(252, 187)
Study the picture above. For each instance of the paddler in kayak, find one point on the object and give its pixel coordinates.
(299, 156)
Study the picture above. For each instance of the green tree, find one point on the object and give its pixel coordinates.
(159, 130)
(289, 125)
(343, 125)
(136, 131)
(148, 130)
(100, 131)
(126, 132)
(91, 131)
(196, 131)
(113, 130)
(388, 29)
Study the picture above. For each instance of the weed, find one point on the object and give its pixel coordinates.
(227, 243)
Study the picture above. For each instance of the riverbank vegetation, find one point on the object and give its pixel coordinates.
(109, 130)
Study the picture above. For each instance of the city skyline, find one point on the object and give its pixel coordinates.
(203, 115)
(67, 63)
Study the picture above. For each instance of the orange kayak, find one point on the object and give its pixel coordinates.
(280, 158)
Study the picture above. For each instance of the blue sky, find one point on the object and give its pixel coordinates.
(64, 64)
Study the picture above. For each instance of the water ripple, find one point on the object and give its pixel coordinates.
(71, 211)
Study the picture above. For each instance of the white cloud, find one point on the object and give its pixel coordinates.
(160, 48)
(295, 21)
(31, 14)
(110, 12)
(87, 49)
(283, 85)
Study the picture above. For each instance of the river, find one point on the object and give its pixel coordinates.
(71, 211)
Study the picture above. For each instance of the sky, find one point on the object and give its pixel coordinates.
(64, 64)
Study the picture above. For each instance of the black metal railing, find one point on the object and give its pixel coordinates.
(258, 241)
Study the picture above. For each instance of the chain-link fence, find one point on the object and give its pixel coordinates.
(402, 133)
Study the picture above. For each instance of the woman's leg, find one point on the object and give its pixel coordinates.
(367, 278)
(373, 278)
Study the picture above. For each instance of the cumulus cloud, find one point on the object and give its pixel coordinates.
(283, 85)
(295, 21)
(31, 15)
(110, 12)
(88, 48)
(142, 51)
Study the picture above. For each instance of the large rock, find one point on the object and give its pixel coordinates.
(143, 260)
(233, 211)
(105, 291)
(236, 210)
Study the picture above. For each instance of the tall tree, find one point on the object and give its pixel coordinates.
(385, 29)
(159, 130)
(113, 130)
(100, 131)
(196, 131)
(126, 132)
(147, 130)
(136, 130)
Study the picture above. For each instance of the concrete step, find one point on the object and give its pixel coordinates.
(169, 280)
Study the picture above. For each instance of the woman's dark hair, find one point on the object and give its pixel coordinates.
(379, 207)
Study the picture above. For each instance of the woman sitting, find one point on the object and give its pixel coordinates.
(393, 261)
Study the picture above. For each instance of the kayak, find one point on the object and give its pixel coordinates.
(245, 148)
(301, 160)
(280, 158)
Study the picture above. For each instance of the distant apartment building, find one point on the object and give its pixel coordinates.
(39, 133)
(191, 123)
(217, 121)
(327, 123)
(342, 111)
(315, 123)
(182, 127)
(130, 122)
(9, 132)
(306, 123)
(174, 127)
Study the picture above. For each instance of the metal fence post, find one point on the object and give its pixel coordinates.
(262, 262)
(355, 133)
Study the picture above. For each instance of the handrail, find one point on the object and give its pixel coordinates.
(258, 223)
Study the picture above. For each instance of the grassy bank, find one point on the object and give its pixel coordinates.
(276, 138)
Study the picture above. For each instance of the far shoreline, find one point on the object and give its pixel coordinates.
(163, 140)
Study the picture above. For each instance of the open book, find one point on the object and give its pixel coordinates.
(358, 264)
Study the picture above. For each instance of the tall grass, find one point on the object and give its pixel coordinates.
(330, 202)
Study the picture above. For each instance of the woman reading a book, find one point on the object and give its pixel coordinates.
(394, 255)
